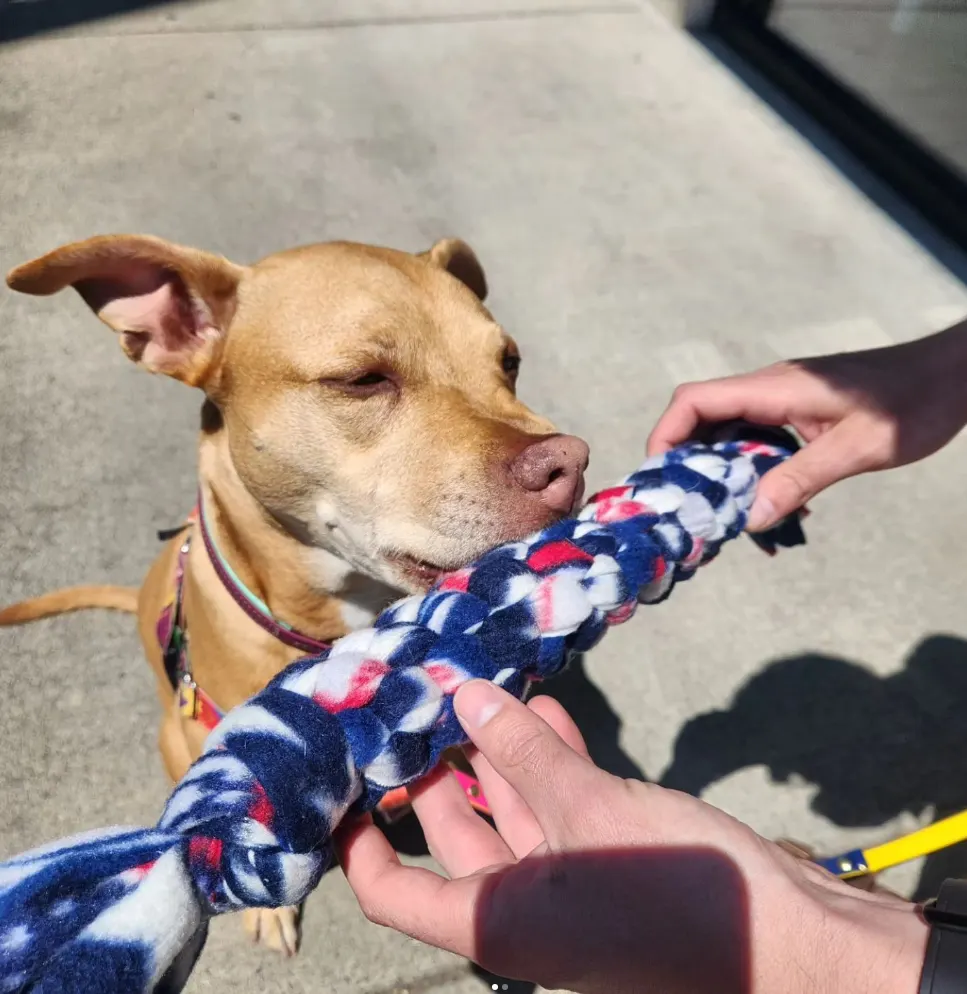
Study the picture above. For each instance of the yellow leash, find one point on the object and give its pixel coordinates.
(922, 842)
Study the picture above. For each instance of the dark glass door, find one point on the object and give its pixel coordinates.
(908, 58)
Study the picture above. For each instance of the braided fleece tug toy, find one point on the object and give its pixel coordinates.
(250, 825)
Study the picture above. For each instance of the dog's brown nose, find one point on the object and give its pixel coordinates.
(554, 469)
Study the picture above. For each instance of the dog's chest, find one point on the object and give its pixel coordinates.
(359, 598)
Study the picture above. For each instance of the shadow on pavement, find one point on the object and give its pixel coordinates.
(597, 719)
(23, 18)
(875, 747)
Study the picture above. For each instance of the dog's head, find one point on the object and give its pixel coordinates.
(367, 396)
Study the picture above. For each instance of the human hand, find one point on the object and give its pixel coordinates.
(857, 412)
(597, 884)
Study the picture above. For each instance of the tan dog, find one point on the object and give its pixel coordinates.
(360, 434)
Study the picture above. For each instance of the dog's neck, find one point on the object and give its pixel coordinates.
(306, 587)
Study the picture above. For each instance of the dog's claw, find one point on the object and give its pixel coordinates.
(275, 928)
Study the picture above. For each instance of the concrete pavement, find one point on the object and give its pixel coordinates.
(644, 219)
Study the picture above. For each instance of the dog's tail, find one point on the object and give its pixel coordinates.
(71, 599)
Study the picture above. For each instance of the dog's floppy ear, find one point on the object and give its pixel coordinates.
(170, 304)
(459, 260)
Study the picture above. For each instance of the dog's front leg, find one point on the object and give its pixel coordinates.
(279, 929)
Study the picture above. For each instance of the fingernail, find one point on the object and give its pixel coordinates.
(476, 703)
(762, 515)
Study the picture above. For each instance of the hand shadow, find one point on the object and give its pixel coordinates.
(875, 747)
(623, 920)
(670, 919)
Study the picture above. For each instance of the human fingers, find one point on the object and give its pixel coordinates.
(458, 839)
(851, 447)
(409, 899)
(550, 777)
(514, 819)
(763, 397)
(556, 715)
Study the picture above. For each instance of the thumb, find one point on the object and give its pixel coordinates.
(832, 457)
(523, 749)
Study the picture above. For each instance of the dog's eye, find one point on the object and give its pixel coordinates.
(511, 364)
(365, 385)
(369, 380)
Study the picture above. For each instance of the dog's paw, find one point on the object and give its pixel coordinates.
(279, 929)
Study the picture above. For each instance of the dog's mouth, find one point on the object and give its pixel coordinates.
(419, 572)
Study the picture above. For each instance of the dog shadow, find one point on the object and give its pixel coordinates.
(601, 727)
(875, 747)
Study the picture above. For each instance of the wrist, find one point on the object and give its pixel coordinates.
(872, 944)
(819, 935)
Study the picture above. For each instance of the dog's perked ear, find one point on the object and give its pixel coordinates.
(459, 260)
(171, 305)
